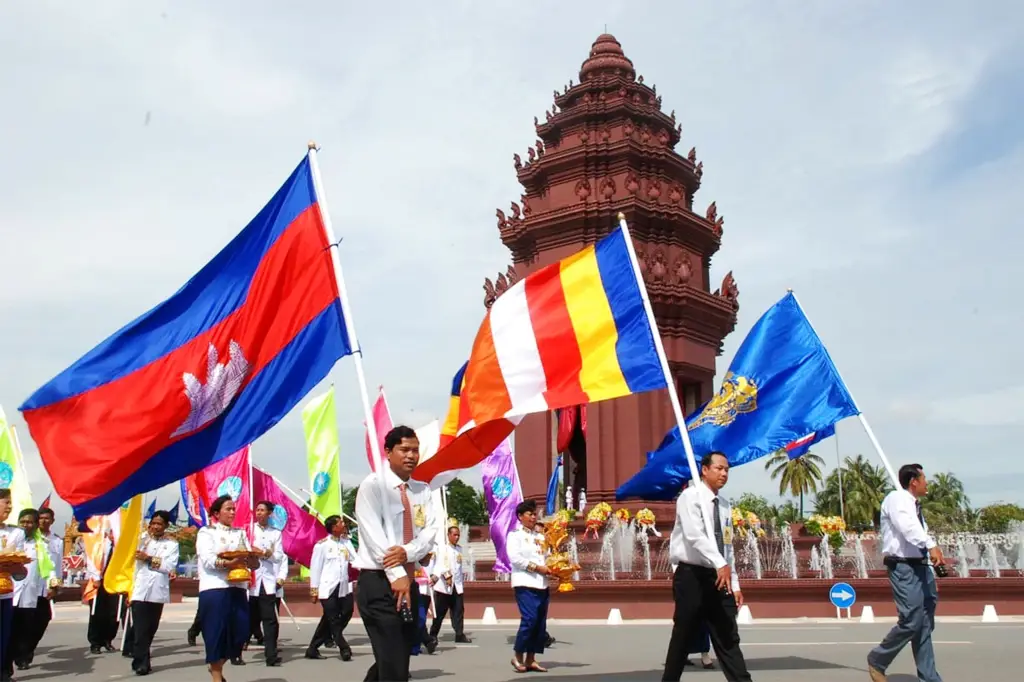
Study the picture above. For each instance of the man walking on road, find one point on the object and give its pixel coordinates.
(906, 547)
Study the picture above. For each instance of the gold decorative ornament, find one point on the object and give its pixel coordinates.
(10, 561)
(238, 575)
(559, 563)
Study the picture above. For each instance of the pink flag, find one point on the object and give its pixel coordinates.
(299, 530)
(230, 476)
(382, 424)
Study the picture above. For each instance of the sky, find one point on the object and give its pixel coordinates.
(867, 155)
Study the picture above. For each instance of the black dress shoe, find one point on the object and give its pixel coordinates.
(346, 655)
(237, 660)
(109, 647)
(94, 649)
(274, 662)
(191, 638)
(330, 644)
(22, 666)
(462, 639)
(549, 641)
(315, 655)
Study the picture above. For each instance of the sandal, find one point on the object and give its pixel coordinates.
(518, 667)
(536, 667)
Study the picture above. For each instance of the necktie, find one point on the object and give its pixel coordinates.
(403, 489)
(719, 539)
(920, 517)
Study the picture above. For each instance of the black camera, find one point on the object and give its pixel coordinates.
(941, 571)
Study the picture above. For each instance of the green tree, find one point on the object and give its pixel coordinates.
(996, 518)
(796, 477)
(864, 488)
(348, 500)
(946, 506)
(466, 504)
(760, 506)
(788, 512)
(186, 538)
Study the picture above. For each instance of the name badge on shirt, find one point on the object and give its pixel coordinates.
(727, 534)
(419, 516)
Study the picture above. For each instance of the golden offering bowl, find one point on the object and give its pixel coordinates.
(6, 583)
(238, 575)
(561, 569)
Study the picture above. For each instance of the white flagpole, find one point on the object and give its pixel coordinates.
(673, 396)
(252, 504)
(860, 414)
(357, 351)
(839, 473)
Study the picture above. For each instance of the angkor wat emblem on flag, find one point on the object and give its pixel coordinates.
(223, 382)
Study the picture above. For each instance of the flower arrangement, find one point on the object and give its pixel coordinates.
(622, 515)
(745, 522)
(832, 526)
(597, 518)
(563, 516)
(645, 522)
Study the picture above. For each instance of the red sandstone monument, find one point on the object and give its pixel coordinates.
(607, 146)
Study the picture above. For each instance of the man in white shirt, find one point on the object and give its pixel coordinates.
(704, 585)
(27, 592)
(329, 585)
(55, 545)
(156, 560)
(446, 572)
(396, 530)
(12, 540)
(263, 591)
(906, 547)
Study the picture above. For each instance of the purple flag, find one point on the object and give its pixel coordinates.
(501, 488)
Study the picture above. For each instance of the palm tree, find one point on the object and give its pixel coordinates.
(864, 487)
(946, 505)
(796, 476)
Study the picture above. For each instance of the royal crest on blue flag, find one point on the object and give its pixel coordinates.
(780, 387)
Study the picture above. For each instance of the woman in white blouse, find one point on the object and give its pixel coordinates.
(156, 560)
(223, 605)
(526, 553)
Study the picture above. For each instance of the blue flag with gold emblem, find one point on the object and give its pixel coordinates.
(781, 386)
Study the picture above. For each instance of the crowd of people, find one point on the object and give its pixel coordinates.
(397, 567)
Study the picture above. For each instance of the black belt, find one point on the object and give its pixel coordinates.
(891, 561)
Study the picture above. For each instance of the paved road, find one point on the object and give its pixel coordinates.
(791, 651)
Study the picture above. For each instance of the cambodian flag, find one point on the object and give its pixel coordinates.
(204, 373)
(801, 446)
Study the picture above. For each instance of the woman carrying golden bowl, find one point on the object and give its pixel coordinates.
(12, 563)
(527, 552)
(225, 560)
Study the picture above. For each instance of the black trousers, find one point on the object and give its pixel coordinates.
(43, 617)
(337, 614)
(391, 638)
(196, 628)
(145, 621)
(23, 630)
(263, 623)
(102, 619)
(697, 600)
(444, 604)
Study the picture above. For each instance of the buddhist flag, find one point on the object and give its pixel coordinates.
(118, 577)
(320, 424)
(572, 333)
(12, 468)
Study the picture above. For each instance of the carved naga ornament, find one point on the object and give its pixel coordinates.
(729, 291)
(492, 290)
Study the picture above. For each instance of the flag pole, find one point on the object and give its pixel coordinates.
(252, 504)
(673, 396)
(839, 473)
(312, 511)
(357, 351)
(860, 414)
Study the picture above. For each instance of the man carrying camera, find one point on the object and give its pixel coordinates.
(907, 547)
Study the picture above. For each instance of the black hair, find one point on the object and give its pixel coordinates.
(47, 511)
(396, 435)
(31, 511)
(707, 459)
(331, 521)
(526, 506)
(268, 504)
(5, 493)
(909, 472)
(166, 516)
(217, 504)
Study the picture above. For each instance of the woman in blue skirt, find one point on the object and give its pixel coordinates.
(223, 604)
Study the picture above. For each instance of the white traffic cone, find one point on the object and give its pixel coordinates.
(867, 614)
(490, 617)
(615, 617)
(989, 614)
(744, 617)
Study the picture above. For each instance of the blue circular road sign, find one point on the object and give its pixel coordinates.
(842, 595)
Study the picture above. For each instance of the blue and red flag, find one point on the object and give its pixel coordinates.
(46, 502)
(204, 373)
(801, 446)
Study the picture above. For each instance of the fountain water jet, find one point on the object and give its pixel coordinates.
(861, 558)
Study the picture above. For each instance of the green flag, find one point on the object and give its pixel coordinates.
(321, 427)
(12, 470)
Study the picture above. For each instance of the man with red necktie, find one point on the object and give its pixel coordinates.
(387, 596)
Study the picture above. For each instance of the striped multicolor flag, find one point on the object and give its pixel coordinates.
(572, 333)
